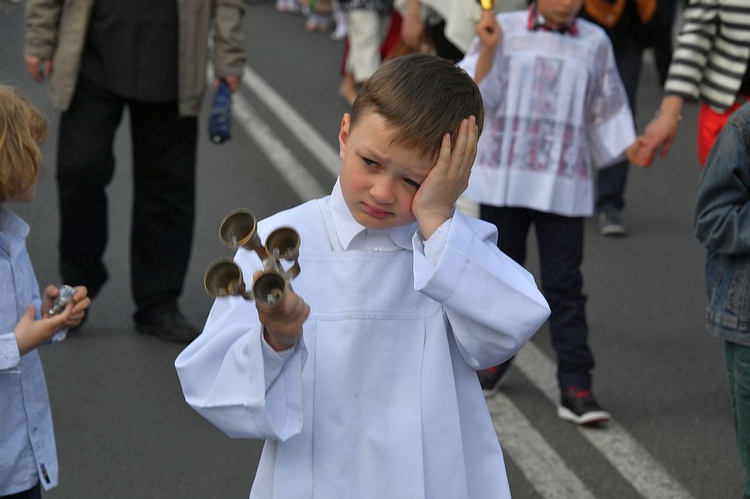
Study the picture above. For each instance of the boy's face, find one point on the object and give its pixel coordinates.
(379, 177)
(558, 12)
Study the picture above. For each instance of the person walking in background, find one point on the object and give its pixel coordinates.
(28, 460)
(415, 31)
(659, 33)
(554, 104)
(367, 24)
(710, 64)
(722, 225)
(625, 22)
(149, 56)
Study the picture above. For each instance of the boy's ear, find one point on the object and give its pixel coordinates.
(344, 134)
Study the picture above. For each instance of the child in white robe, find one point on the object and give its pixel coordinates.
(555, 106)
(367, 388)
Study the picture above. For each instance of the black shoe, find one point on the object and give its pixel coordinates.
(491, 378)
(609, 223)
(579, 406)
(170, 326)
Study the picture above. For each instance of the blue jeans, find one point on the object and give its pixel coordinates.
(560, 242)
(737, 360)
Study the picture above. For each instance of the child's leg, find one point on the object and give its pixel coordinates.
(34, 492)
(737, 360)
(560, 241)
(513, 227)
(164, 160)
(340, 19)
(364, 43)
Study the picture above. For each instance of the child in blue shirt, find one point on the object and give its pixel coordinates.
(28, 457)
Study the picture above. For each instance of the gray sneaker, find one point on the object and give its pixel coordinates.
(610, 224)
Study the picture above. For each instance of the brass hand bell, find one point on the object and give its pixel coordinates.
(223, 276)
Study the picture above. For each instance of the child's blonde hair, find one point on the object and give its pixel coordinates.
(22, 128)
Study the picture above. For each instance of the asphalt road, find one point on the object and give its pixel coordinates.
(124, 430)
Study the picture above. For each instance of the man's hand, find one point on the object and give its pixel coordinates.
(661, 131)
(632, 153)
(446, 181)
(232, 81)
(657, 138)
(282, 322)
(38, 67)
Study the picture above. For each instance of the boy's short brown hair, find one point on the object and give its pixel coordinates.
(22, 127)
(424, 97)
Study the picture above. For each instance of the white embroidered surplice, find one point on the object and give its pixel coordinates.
(554, 104)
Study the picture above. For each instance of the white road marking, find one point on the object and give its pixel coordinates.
(307, 135)
(294, 173)
(544, 469)
(631, 460)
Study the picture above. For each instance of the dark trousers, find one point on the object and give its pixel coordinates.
(560, 243)
(34, 492)
(737, 361)
(163, 207)
(610, 181)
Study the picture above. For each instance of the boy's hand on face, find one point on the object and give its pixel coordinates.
(446, 181)
(282, 322)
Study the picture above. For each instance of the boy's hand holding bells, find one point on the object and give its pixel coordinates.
(282, 322)
(30, 332)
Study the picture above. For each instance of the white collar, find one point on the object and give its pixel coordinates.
(347, 228)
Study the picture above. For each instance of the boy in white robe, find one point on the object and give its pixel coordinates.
(367, 388)
(555, 106)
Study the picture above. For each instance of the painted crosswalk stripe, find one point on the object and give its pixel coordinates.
(631, 460)
(294, 173)
(544, 469)
(305, 133)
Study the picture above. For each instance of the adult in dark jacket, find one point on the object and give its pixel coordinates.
(149, 56)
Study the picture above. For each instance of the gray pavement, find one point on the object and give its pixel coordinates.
(124, 430)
